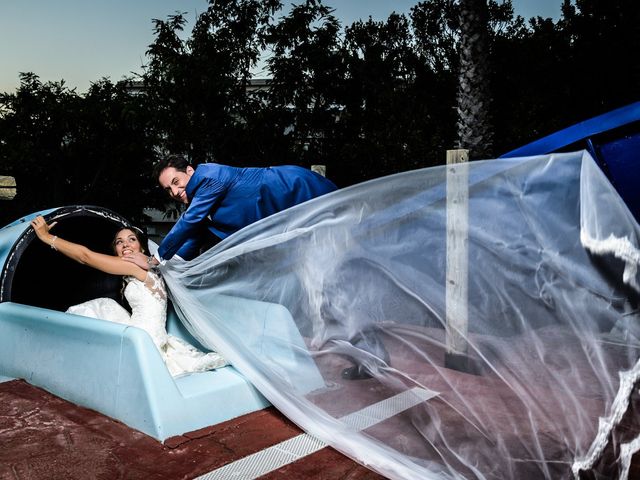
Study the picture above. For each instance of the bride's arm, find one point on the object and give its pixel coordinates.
(81, 254)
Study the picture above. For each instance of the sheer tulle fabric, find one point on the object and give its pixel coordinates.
(552, 319)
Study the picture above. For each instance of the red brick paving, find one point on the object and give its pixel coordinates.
(45, 437)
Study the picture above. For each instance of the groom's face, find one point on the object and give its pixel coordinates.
(174, 183)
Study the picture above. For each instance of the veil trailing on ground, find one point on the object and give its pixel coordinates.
(526, 372)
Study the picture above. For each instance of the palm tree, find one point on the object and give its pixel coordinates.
(475, 129)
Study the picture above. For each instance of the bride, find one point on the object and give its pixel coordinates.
(145, 291)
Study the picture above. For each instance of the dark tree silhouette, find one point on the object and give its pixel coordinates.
(369, 99)
(64, 149)
(197, 86)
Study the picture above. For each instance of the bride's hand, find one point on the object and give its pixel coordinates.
(138, 258)
(41, 228)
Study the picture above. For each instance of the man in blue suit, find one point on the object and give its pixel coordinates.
(222, 199)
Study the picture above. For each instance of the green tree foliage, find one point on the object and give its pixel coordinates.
(549, 75)
(531, 82)
(367, 99)
(65, 149)
(603, 39)
(389, 120)
(307, 72)
(196, 87)
(37, 127)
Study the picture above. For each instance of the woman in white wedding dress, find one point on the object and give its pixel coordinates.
(145, 291)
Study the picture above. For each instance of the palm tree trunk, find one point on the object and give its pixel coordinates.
(475, 129)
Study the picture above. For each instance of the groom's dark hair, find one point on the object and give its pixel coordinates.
(179, 162)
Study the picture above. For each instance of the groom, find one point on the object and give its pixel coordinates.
(222, 199)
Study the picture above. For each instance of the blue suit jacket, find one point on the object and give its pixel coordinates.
(224, 199)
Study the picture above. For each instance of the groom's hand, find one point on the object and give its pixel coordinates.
(141, 260)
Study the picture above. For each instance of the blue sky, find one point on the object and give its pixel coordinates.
(81, 41)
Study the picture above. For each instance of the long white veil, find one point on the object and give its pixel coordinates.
(543, 367)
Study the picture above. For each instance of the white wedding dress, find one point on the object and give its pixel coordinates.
(148, 301)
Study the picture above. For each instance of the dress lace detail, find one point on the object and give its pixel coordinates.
(156, 286)
(148, 301)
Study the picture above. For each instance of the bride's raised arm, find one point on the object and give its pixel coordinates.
(106, 263)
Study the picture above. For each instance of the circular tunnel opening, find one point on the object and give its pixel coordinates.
(37, 275)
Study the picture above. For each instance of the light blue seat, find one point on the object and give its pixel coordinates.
(117, 370)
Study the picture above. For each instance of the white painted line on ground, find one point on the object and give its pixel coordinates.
(284, 453)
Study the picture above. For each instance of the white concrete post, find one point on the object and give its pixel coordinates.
(7, 188)
(321, 169)
(457, 271)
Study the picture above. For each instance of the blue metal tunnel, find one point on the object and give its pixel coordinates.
(612, 139)
(34, 274)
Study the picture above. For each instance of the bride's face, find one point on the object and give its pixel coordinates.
(126, 242)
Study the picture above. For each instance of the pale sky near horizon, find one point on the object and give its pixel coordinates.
(82, 41)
